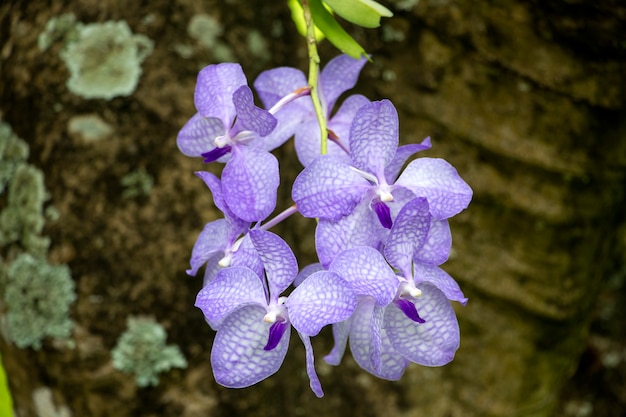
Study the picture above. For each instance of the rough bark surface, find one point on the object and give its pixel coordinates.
(526, 99)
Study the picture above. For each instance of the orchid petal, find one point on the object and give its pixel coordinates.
(308, 144)
(214, 91)
(432, 343)
(436, 249)
(237, 358)
(383, 213)
(402, 155)
(391, 363)
(408, 233)
(215, 185)
(321, 299)
(306, 271)
(288, 123)
(314, 381)
(440, 183)
(439, 278)
(249, 116)
(339, 75)
(359, 228)
(374, 136)
(328, 189)
(247, 255)
(198, 135)
(277, 330)
(231, 288)
(367, 273)
(274, 84)
(279, 262)
(250, 182)
(213, 238)
(342, 120)
(341, 331)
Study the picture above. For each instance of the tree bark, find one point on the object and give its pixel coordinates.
(525, 99)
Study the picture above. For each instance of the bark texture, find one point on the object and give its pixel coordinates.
(525, 98)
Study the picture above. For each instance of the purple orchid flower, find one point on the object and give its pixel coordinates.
(355, 200)
(399, 318)
(224, 129)
(222, 242)
(338, 76)
(253, 321)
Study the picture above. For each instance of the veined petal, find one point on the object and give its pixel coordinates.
(249, 116)
(402, 155)
(328, 189)
(391, 363)
(432, 343)
(214, 91)
(359, 228)
(247, 255)
(279, 262)
(367, 273)
(306, 271)
(440, 183)
(213, 238)
(314, 381)
(250, 182)
(274, 84)
(409, 232)
(215, 185)
(288, 122)
(238, 358)
(341, 331)
(374, 136)
(339, 75)
(308, 144)
(436, 249)
(439, 278)
(342, 120)
(198, 135)
(231, 288)
(321, 299)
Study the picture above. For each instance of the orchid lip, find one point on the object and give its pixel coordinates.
(277, 330)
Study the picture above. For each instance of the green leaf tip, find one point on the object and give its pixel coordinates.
(334, 32)
(366, 13)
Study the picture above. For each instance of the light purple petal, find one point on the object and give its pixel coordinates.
(440, 183)
(321, 299)
(250, 182)
(339, 75)
(238, 359)
(198, 135)
(249, 116)
(213, 239)
(432, 343)
(247, 255)
(212, 268)
(328, 189)
(231, 288)
(436, 249)
(306, 271)
(392, 364)
(374, 136)
(215, 185)
(214, 91)
(439, 278)
(274, 84)
(402, 155)
(308, 144)
(288, 122)
(409, 232)
(314, 381)
(341, 331)
(359, 228)
(367, 273)
(278, 260)
(342, 120)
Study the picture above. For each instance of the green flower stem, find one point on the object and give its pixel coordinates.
(314, 69)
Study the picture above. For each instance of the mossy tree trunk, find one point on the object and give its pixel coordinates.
(526, 99)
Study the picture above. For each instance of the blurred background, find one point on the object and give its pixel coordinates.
(99, 210)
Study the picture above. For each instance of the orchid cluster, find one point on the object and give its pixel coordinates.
(381, 236)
